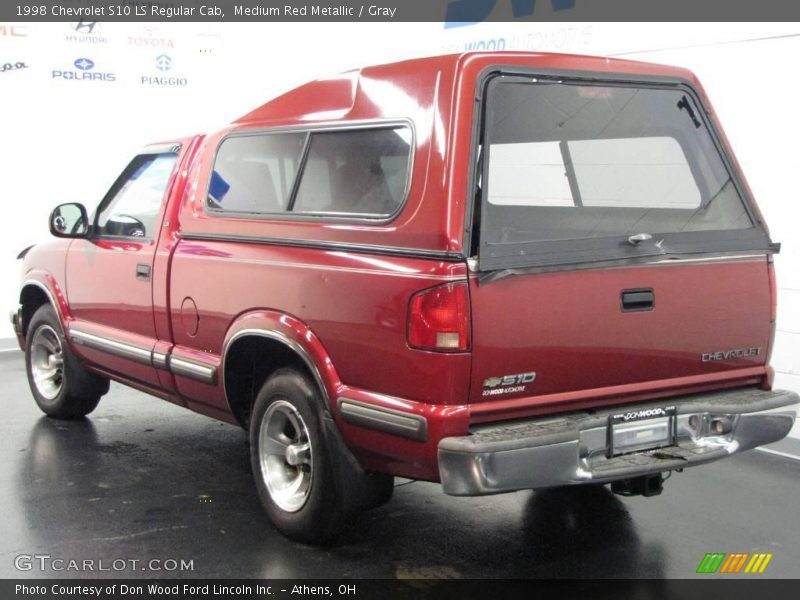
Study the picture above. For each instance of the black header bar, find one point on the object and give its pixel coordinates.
(454, 13)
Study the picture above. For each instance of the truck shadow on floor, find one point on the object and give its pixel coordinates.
(581, 532)
(142, 489)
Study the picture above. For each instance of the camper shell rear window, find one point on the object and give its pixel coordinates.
(577, 171)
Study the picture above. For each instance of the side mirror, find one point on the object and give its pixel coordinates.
(69, 221)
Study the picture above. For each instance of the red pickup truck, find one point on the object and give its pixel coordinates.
(498, 271)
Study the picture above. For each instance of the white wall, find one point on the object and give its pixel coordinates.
(65, 140)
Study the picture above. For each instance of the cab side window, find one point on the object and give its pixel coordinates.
(255, 173)
(132, 206)
(361, 172)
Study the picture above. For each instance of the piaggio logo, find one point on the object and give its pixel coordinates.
(163, 62)
(734, 563)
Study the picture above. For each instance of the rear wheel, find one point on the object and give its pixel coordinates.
(292, 465)
(61, 386)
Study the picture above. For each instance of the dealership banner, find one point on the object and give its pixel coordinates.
(454, 13)
(389, 589)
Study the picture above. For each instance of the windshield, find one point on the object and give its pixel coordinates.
(571, 172)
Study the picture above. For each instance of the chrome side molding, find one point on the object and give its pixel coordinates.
(192, 370)
(288, 343)
(121, 349)
(160, 360)
(165, 361)
(401, 424)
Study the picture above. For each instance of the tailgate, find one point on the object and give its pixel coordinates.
(619, 255)
(544, 334)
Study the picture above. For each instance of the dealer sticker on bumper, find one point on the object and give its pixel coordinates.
(639, 430)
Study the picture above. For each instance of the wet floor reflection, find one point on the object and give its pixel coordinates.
(117, 489)
(592, 527)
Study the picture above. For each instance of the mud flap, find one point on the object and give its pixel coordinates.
(360, 489)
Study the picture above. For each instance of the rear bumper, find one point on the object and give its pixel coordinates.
(575, 448)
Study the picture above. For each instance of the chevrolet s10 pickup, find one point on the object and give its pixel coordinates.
(497, 271)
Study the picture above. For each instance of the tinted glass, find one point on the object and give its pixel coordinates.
(649, 172)
(136, 197)
(255, 173)
(570, 162)
(361, 172)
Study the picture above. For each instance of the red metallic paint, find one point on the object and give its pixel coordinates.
(120, 307)
(347, 310)
(355, 303)
(571, 332)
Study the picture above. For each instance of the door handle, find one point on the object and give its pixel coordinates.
(637, 300)
(143, 272)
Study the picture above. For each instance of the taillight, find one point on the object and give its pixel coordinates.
(438, 318)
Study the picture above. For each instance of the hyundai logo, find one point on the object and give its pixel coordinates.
(163, 62)
(85, 26)
(84, 64)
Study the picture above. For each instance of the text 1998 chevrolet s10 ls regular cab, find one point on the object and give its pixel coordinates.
(498, 271)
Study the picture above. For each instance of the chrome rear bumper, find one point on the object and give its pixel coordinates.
(575, 448)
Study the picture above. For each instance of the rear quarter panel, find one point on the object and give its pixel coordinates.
(356, 305)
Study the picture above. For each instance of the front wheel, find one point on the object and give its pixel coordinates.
(292, 464)
(61, 386)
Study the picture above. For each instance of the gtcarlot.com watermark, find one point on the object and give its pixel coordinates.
(47, 562)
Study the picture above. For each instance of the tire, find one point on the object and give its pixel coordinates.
(292, 464)
(61, 386)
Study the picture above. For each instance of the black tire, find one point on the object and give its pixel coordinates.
(314, 512)
(62, 387)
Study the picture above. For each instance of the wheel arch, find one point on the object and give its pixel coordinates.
(36, 292)
(260, 343)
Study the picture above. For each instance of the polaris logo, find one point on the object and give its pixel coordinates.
(85, 72)
(84, 64)
(731, 354)
(84, 76)
(645, 413)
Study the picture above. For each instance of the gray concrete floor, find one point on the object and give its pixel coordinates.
(142, 479)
